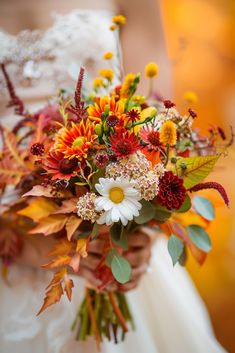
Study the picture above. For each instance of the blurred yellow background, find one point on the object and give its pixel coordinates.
(200, 36)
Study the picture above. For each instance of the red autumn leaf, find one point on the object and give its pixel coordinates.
(50, 225)
(68, 285)
(71, 225)
(53, 295)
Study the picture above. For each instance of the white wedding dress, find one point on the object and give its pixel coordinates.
(169, 315)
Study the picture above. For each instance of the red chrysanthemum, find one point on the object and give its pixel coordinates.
(60, 167)
(124, 143)
(150, 136)
(133, 115)
(171, 192)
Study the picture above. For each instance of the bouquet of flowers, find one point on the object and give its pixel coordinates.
(101, 166)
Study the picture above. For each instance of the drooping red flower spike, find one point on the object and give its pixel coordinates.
(212, 185)
(168, 104)
(15, 101)
(78, 109)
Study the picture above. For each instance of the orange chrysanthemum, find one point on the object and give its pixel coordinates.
(105, 103)
(75, 141)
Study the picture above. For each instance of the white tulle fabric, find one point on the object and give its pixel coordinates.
(169, 315)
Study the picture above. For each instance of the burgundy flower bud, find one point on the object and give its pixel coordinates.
(37, 149)
(192, 113)
(221, 133)
(101, 159)
(112, 120)
(168, 104)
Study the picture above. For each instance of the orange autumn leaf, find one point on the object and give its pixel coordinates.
(38, 209)
(53, 295)
(61, 248)
(152, 156)
(59, 261)
(68, 285)
(50, 225)
(71, 225)
(58, 276)
(68, 206)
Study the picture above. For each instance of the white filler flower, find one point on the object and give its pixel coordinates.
(119, 200)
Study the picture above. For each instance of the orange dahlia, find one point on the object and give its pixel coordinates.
(75, 141)
(103, 104)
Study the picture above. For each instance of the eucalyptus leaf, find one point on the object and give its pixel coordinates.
(175, 248)
(199, 237)
(119, 235)
(161, 216)
(95, 230)
(120, 268)
(109, 257)
(204, 207)
(147, 212)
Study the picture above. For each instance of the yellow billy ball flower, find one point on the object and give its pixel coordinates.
(98, 82)
(113, 27)
(108, 55)
(190, 97)
(119, 20)
(107, 73)
(168, 134)
(151, 70)
(127, 84)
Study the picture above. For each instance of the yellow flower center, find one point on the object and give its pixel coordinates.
(78, 142)
(116, 195)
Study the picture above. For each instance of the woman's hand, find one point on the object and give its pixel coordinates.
(138, 255)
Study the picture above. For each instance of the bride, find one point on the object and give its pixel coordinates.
(169, 314)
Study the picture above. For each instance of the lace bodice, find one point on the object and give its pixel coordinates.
(41, 62)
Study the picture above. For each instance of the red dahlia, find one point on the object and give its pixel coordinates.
(124, 143)
(171, 192)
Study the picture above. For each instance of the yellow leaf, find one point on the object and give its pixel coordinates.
(81, 247)
(71, 225)
(38, 209)
(61, 248)
(53, 295)
(58, 276)
(50, 225)
(195, 169)
(59, 261)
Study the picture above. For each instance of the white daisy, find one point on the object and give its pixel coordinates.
(119, 199)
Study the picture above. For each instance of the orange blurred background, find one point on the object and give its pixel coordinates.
(200, 36)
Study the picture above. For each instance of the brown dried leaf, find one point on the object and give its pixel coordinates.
(68, 206)
(62, 260)
(63, 247)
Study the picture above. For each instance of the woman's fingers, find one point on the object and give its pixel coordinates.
(138, 239)
(91, 261)
(96, 246)
(89, 276)
(138, 257)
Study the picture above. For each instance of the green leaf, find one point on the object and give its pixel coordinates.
(195, 169)
(95, 230)
(175, 248)
(147, 212)
(199, 237)
(121, 269)
(162, 216)
(119, 235)
(186, 205)
(109, 257)
(204, 207)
